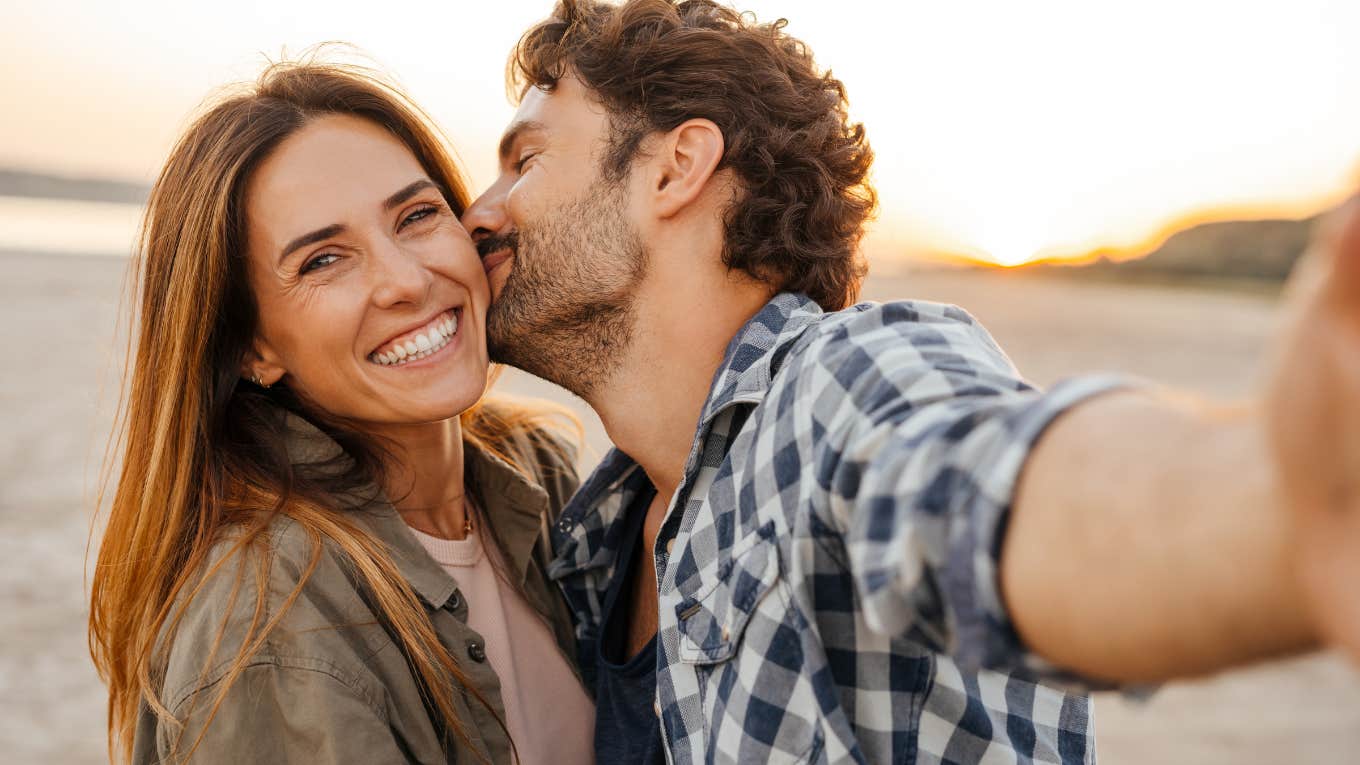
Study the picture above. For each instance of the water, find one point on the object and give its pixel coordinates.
(67, 227)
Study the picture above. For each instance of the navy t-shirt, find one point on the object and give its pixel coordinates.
(627, 731)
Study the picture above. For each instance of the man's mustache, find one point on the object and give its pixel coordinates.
(497, 242)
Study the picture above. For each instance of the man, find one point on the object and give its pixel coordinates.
(846, 534)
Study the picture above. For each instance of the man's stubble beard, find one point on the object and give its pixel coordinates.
(567, 311)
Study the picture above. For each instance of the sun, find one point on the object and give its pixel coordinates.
(1011, 245)
(1011, 258)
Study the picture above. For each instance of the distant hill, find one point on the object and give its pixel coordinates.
(1247, 250)
(23, 183)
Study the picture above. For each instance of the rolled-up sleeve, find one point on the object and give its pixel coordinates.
(283, 711)
(919, 429)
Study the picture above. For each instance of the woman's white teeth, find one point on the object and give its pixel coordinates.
(430, 339)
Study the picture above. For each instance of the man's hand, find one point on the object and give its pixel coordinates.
(1313, 419)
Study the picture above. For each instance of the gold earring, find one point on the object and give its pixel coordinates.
(255, 378)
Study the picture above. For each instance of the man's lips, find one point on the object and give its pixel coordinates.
(491, 260)
(498, 248)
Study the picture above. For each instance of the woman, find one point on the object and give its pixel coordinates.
(322, 547)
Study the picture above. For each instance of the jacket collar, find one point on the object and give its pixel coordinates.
(514, 505)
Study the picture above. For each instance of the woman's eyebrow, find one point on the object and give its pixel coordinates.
(321, 234)
(318, 235)
(408, 191)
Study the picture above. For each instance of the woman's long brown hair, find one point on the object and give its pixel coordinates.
(202, 452)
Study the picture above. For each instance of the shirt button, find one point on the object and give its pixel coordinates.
(476, 652)
(656, 707)
(726, 634)
(670, 545)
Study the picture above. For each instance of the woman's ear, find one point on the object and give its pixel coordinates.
(261, 365)
(687, 159)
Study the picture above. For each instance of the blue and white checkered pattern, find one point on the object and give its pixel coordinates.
(834, 567)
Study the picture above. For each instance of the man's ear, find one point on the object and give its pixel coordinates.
(261, 365)
(687, 158)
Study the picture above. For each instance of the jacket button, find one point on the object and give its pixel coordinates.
(455, 601)
(476, 652)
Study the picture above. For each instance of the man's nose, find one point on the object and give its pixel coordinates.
(486, 215)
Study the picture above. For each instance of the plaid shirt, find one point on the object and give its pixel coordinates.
(834, 543)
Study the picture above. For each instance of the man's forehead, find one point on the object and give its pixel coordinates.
(528, 116)
(568, 97)
(566, 109)
(540, 104)
(534, 99)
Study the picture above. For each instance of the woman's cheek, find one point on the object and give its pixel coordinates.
(455, 258)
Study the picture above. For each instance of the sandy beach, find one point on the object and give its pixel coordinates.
(57, 325)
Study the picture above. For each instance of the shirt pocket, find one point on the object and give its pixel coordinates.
(713, 620)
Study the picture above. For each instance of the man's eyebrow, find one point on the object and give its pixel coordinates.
(318, 235)
(408, 191)
(513, 132)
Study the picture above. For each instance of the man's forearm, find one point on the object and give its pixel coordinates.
(1146, 542)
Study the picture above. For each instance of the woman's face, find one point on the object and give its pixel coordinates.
(371, 296)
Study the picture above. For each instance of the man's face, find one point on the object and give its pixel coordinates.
(558, 244)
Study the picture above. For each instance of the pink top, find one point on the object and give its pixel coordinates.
(550, 718)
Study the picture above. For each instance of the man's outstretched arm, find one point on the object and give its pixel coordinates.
(1147, 542)
(1091, 533)
(1200, 539)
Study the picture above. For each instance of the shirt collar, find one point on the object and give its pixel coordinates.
(514, 505)
(755, 352)
(749, 364)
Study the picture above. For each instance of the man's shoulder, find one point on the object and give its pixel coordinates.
(900, 316)
(909, 334)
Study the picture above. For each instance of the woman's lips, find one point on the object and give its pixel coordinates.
(423, 342)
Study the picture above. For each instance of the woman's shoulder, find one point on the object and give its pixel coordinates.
(281, 590)
(554, 454)
(541, 440)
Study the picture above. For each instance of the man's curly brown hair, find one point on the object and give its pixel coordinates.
(803, 166)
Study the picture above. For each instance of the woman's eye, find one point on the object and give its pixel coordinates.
(320, 261)
(419, 215)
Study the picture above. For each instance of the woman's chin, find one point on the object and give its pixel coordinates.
(399, 405)
(431, 405)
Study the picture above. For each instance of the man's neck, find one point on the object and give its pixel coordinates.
(651, 404)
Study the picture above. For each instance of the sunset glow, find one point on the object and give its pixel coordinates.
(1004, 131)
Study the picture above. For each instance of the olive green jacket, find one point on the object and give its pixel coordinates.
(329, 685)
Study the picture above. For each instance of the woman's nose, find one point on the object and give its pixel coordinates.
(400, 276)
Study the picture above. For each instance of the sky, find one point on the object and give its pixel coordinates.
(1003, 130)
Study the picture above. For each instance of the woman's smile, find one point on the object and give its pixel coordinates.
(426, 342)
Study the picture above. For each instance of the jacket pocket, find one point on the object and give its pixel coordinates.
(713, 620)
